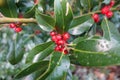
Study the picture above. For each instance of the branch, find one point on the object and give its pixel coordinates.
(22, 20)
(32, 20)
(99, 11)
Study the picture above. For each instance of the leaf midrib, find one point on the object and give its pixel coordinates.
(50, 66)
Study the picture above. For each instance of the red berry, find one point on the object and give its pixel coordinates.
(59, 36)
(53, 33)
(109, 14)
(96, 18)
(18, 29)
(62, 48)
(65, 51)
(36, 2)
(37, 32)
(54, 38)
(57, 48)
(12, 25)
(105, 9)
(60, 42)
(66, 36)
(112, 2)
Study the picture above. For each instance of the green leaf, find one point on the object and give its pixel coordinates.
(15, 55)
(30, 13)
(58, 67)
(97, 52)
(17, 50)
(45, 22)
(11, 53)
(79, 20)
(46, 52)
(109, 30)
(37, 49)
(79, 39)
(63, 14)
(9, 10)
(100, 52)
(106, 1)
(73, 60)
(78, 5)
(42, 5)
(82, 27)
(32, 68)
(87, 4)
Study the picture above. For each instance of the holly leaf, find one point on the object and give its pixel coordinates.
(106, 1)
(63, 14)
(42, 55)
(87, 4)
(32, 68)
(80, 27)
(45, 22)
(79, 39)
(104, 50)
(37, 49)
(58, 66)
(79, 20)
(11, 54)
(109, 30)
(9, 10)
(30, 13)
(98, 52)
(17, 50)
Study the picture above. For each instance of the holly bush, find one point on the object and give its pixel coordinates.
(63, 32)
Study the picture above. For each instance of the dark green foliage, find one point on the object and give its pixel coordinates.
(91, 44)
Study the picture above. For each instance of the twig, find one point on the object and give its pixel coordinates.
(23, 20)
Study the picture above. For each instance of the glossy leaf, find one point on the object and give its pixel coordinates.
(98, 52)
(109, 30)
(106, 1)
(11, 54)
(45, 53)
(17, 50)
(45, 22)
(37, 49)
(87, 4)
(9, 10)
(30, 13)
(42, 6)
(58, 66)
(36, 74)
(32, 68)
(63, 14)
(14, 56)
(79, 39)
(78, 4)
(79, 20)
(73, 59)
(81, 28)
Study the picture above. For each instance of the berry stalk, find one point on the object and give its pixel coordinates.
(99, 11)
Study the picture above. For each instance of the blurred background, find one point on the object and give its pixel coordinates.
(32, 35)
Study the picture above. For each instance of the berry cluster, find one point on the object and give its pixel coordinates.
(16, 27)
(105, 11)
(60, 41)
